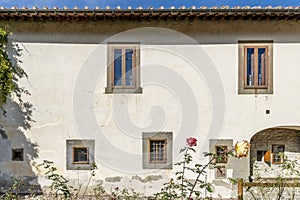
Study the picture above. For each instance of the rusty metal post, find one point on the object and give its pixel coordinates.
(240, 189)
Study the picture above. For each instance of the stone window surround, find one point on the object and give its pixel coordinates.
(111, 89)
(213, 143)
(147, 136)
(70, 144)
(242, 88)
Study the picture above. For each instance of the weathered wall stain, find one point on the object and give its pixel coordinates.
(147, 178)
(28, 184)
(113, 179)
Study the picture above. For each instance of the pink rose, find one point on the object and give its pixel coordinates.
(191, 141)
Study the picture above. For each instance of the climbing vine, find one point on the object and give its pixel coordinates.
(10, 70)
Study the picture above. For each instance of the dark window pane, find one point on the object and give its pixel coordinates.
(17, 154)
(261, 66)
(250, 66)
(118, 67)
(260, 155)
(161, 151)
(80, 154)
(129, 63)
(157, 150)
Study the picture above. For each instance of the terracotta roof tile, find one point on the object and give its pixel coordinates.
(171, 7)
(182, 12)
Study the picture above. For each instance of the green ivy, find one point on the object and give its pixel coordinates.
(10, 70)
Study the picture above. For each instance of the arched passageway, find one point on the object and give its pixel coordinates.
(269, 146)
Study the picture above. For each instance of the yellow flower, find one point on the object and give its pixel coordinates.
(242, 149)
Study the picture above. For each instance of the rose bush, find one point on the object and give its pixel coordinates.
(185, 188)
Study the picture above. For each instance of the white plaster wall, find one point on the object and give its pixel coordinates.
(245, 114)
(67, 81)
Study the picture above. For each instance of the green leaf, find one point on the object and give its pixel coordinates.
(209, 188)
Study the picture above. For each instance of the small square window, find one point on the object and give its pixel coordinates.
(220, 172)
(157, 150)
(221, 153)
(255, 67)
(17, 154)
(80, 155)
(123, 71)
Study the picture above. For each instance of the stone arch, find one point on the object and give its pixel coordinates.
(267, 144)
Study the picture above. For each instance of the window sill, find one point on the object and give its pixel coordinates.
(137, 90)
(157, 166)
(157, 162)
(251, 90)
(76, 163)
(255, 87)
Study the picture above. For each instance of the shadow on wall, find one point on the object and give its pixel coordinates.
(17, 152)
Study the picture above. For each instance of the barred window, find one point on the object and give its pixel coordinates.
(157, 150)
